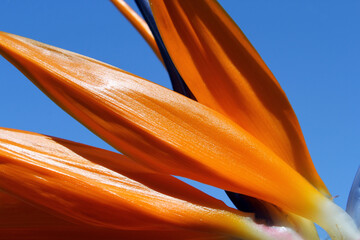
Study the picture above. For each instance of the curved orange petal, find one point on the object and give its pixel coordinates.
(260, 208)
(225, 72)
(21, 221)
(138, 23)
(165, 130)
(70, 180)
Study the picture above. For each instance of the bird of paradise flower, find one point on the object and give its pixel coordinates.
(231, 130)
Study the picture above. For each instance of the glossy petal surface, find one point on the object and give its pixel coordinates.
(261, 209)
(160, 128)
(224, 72)
(242, 202)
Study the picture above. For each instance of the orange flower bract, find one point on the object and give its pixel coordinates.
(242, 136)
(166, 131)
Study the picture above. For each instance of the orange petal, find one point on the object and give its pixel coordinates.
(70, 180)
(20, 220)
(163, 129)
(225, 72)
(138, 23)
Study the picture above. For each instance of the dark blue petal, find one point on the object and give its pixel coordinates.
(176, 80)
(353, 204)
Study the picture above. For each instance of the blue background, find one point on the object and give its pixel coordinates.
(312, 47)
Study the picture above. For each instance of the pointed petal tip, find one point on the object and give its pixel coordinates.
(138, 23)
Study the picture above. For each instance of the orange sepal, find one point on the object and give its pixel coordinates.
(224, 72)
(162, 129)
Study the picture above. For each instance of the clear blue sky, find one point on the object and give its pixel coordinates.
(312, 47)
